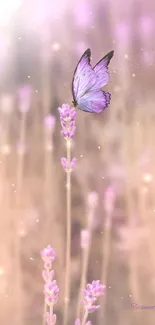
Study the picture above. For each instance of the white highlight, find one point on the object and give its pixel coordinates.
(7, 9)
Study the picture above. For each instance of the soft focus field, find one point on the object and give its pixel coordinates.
(113, 184)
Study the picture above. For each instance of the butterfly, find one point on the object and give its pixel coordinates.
(87, 83)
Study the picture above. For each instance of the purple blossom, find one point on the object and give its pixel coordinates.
(49, 122)
(67, 119)
(73, 163)
(48, 255)
(48, 275)
(65, 165)
(51, 291)
(91, 293)
(78, 322)
(50, 320)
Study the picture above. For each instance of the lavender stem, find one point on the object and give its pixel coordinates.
(68, 244)
(84, 318)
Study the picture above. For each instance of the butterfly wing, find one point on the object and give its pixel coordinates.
(84, 77)
(94, 101)
(101, 71)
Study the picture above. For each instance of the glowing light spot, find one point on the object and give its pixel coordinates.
(1, 271)
(81, 156)
(22, 233)
(145, 189)
(7, 9)
(133, 75)
(31, 259)
(99, 147)
(147, 178)
(126, 56)
(5, 150)
(29, 77)
(56, 47)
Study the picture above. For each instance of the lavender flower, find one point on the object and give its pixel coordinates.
(66, 166)
(50, 320)
(67, 119)
(51, 291)
(47, 275)
(78, 322)
(49, 122)
(48, 254)
(91, 293)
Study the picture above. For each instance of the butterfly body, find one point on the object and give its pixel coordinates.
(87, 83)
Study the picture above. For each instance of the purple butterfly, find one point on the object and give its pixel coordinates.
(88, 81)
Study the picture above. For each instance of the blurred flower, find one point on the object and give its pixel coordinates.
(48, 254)
(49, 122)
(91, 293)
(67, 119)
(83, 14)
(50, 320)
(146, 25)
(48, 275)
(24, 97)
(78, 322)
(122, 32)
(51, 291)
(109, 199)
(64, 163)
(85, 238)
(6, 103)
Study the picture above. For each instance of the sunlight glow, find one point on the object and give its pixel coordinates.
(7, 9)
